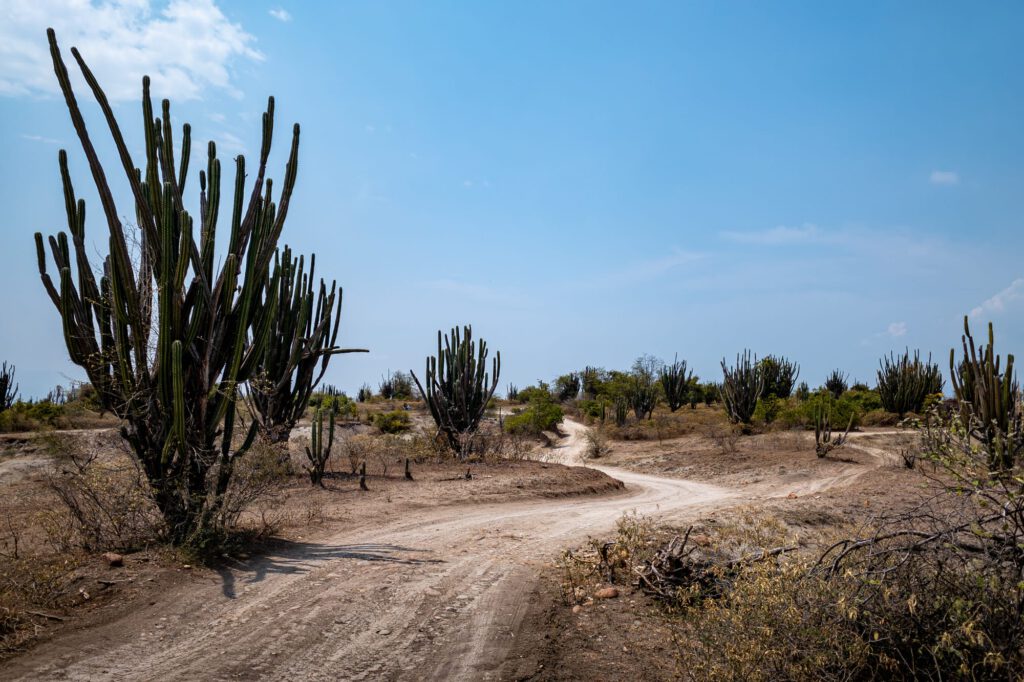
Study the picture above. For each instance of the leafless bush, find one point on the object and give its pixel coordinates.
(107, 499)
(725, 436)
(597, 444)
(256, 480)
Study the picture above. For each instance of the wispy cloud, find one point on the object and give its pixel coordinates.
(781, 234)
(998, 302)
(897, 329)
(40, 138)
(941, 177)
(281, 14)
(185, 48)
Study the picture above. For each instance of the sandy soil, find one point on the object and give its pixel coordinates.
(437, 593)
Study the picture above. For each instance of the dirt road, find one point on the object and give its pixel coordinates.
(438, 597)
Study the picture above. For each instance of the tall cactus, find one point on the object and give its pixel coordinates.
(676, 383)
(990, 401)
(742, 386)
(318, 452)
(836, 383)
(905, 381)
(301, 343)
(780, 375)
(457, 386)
(164, 335)
(8, 389)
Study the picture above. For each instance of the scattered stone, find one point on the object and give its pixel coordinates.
(113, 559)
(607, 593)
(577, 608)
(792, 496)
(384, 631)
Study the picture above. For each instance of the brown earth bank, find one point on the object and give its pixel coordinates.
(443, 577)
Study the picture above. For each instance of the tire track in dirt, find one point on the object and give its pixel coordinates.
(440, 596)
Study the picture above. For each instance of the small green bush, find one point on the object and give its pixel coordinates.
(801, 414)
(392, 422)
(542, 415)
(31, 416)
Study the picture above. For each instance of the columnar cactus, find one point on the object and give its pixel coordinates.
(676, 383)
(318, 452)
(990, 401)
(302, 340)
(836, 383)
(780, 375)
(8, 389)
(457, 387)
(165, 335)
(742, 386)
(905, 381)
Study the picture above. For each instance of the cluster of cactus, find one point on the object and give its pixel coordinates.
(803, 391)
(905, 382)
(836, 383)
(591, 380)
(824, 443)
(621, 411)
(512, 393)
(567, 386)
(779, 375)
(395, 385)
(166, 336)
(457, 387)
(365, 393)
(57, 395)
(676, 383)
(318, 452)
(8, 388)
(302, 340)
(742, 386)
(989, 398)
(643, 398)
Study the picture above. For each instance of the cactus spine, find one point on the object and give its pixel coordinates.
(164, 336)
(990, 403)
(457, 387)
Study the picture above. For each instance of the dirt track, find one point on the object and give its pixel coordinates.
(440, 596)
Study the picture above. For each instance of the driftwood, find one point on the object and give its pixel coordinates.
(680, 565)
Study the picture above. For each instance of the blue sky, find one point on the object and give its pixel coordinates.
(583, 182)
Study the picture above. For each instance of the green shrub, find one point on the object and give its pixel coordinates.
(30, 416)
(392, 422)
(534, 393)
(801, 414)
(541, 415)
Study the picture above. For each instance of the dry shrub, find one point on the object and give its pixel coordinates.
(106, 504)
(597, 443)
(598, 562)
(256, 486)
(935, 592)
(726, 437)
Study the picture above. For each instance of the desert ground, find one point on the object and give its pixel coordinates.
(441, 577)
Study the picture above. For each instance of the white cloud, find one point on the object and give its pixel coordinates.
(777, 235)
(217, 117)
(281, 14)
(940, 177)
(897, 329)
(185, 47)
(998, 303)
(40, 138)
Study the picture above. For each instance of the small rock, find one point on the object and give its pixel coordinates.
(701, 540)
(113, 559)
(607, 593)
(577, 608)
(384, 631)
(792, 496)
